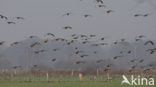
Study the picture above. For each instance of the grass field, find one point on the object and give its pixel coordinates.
(62, 81)
(60, 84)
(66, 84)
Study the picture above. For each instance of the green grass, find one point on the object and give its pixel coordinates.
(62, 81)
(65, 84)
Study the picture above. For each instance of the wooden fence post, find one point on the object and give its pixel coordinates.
(47, 77)
(80, 77)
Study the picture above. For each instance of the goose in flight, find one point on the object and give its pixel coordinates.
(55, 49)
(95, 45)
(53, 60)
(109, 11)
(123, 39)
(129, 52)
(10, 22)
(73, 35)
(76, 37)
(3, 17)
(147, 42)
(87, 15)
(107, 69)
(109, 65)
(99, 61)
(103, 43)
(77, 52)
(115, 42)
(83, 36)
(82, 56)
(99, 1)
(152, 51)
(117, 57)
(133, 60)
(85, 42)
(102, 38)
(141, 61)
(1, 43)
(137, 15)
(46, 41)
(134, 66)
(67, 14)
(92, 35)
(40, 51)
(101, 6)
(20, 18)
(15, 67)
(15, 43)
(79, 62)
(34, 44)
(50, 34)
(67, 27)
(32, 36)
(141, 36)
(76, 48)
(34, 65)
(95, 52)
(143, 15)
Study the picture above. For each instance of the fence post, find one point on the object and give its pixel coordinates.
(72, 72)
(47, 77)
(11, 77)
(97, 72)
(80, 77)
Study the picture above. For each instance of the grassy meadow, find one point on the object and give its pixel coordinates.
(30, 80)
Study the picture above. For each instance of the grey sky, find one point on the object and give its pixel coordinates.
(42, 16)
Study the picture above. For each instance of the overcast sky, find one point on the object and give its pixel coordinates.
(42, 16)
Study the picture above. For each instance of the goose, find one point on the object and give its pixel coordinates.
(20, 18)
(51, 34)
(101, 6)
(109, 11)
(53, 59)
(87, 15)
(11, 22)
(67, 14)
(79, 62)
(3, 17)
(147, 42)
(99, 61)
(67, 27)
(15, 43)
(99, 1)
(1, 43)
